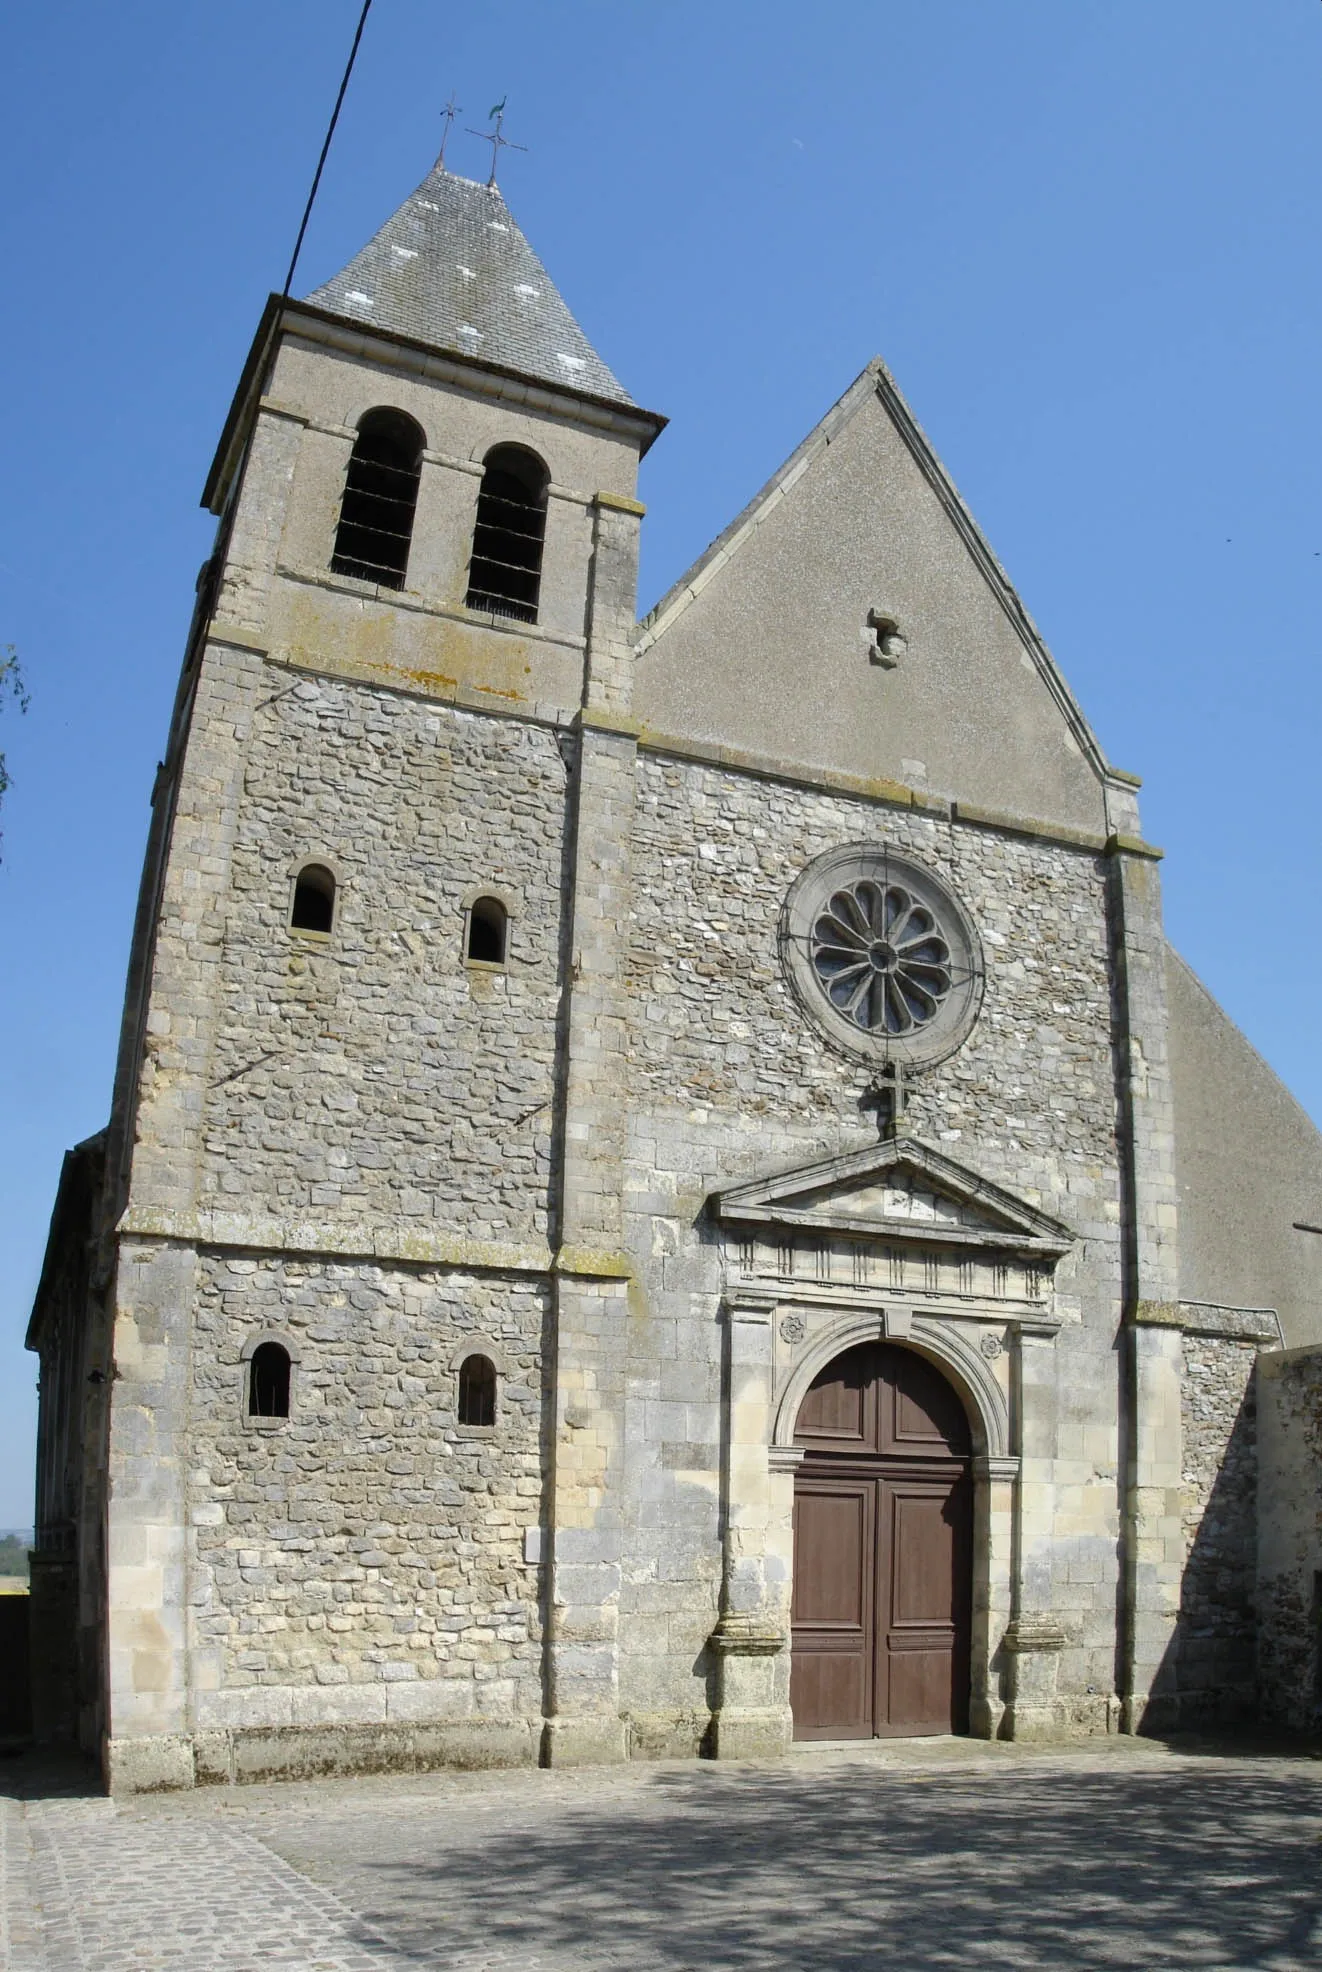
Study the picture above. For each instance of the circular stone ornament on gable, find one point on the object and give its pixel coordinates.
(882, 956)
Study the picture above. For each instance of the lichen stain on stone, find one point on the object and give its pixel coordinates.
(407, 648)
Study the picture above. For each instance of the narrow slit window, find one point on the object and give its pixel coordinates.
(268, 1381)
(487, 928)
(505, 573)
(380, 494)
(314, 899)
(477, 1390)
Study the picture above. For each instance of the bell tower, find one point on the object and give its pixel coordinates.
(430, 472)
(374, 996)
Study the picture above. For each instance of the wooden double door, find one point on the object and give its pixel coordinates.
(883, 1518)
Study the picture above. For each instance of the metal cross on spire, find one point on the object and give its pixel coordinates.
(450, 112)
(496, 139)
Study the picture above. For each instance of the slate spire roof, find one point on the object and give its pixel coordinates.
(451, 268)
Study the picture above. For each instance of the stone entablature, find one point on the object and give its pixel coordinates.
(897, 1220)
(836, 1271)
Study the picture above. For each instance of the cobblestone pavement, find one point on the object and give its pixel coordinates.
(938, 1855)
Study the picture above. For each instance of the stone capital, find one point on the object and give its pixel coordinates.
(1027, 1634)
(748, 1636)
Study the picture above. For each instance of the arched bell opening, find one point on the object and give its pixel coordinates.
(882, 1611)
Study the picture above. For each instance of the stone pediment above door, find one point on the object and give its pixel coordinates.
(896, 1190)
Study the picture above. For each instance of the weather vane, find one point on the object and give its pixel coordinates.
(450, 112)
(496, 140)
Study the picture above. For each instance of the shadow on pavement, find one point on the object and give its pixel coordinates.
(847, 1869)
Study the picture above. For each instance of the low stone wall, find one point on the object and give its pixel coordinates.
(1218, 1617)
(1290, 1539)
(1210, 1674)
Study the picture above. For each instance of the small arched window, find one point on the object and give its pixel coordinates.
(268, 1381)
(314, 899)
(477, 1390)
(487, 928)
(505, 573)
(380, 493)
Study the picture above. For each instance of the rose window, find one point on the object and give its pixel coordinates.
(881, 954)
(881, 958)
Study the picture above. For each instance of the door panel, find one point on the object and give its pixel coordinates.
(922, 1554)
(922, 1654)
(831, 1677)
(840, 1404)
(919, 1696)
(920, 1412)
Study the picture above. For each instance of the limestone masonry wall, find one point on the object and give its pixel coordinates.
(364, 1559)
(718, 1023)
(1218, 1620)
(729, 1079)
(373, 1076)
(1290, 1538)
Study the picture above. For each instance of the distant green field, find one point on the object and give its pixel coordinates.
(13, 1556)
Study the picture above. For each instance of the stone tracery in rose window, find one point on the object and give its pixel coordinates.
(882, 955)
(881, 958)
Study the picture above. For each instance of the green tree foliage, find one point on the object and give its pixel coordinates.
(13, 1556)
(14, 690)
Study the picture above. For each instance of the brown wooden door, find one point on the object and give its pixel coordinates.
(882, 1551)
(835, 1602)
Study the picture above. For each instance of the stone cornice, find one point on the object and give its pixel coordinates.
(748, 1636)
(754, 1299)
(818, 1197)
(1026, 1634)
(1260, 1325)
(1132, 845)
(390, 350)
(394, 1244)
(882, 792)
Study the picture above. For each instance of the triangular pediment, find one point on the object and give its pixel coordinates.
(862, 531)
(897, 1189)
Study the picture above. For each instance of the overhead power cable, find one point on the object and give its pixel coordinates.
(321, 161)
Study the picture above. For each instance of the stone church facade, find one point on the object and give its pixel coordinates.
(665, 1189)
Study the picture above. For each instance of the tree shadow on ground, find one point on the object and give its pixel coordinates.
(846, 1870)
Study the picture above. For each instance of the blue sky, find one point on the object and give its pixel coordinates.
(1085, 237)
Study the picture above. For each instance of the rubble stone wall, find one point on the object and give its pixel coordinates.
(1218, 1617)
(731, 1080)
(371, 1075)
(363, 1561)
(1290, 1539)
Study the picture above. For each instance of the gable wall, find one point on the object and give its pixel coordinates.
(771, 656)
(730, 1081)
(1248, 1163)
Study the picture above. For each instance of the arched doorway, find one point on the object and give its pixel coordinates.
(883, 1522)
